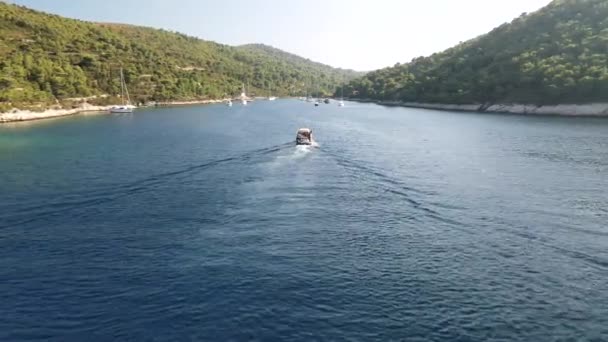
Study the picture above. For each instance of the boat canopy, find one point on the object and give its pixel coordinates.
(304, 136)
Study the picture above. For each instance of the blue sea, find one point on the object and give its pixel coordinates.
(207, 223)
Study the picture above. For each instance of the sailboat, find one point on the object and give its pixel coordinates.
(244, 96)
(126, 106)
(270, 97)
(341, 103)
(308, 95)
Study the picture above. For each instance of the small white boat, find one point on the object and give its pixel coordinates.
(122, 109)
(229, 103)
(270, 97)
(126, 106)
(316, 103)
(304, 137)
(244, 96)
(341, 104)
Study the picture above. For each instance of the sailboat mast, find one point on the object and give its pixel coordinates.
(122, 88)
(126, 91)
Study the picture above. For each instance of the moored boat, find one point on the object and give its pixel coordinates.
(126, 106)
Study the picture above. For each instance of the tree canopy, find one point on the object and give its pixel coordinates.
(45, 58)
(558, 54)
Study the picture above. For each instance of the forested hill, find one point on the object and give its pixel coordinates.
(264, 51)
(558, 54)
(46, 57)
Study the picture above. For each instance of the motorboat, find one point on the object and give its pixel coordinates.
(326, 101)
(229, 103)
(341, 104)
(304, 136)
(316, 103)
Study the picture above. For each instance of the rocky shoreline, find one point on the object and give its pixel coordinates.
(27, 115)
(16, 115)
(588, 109)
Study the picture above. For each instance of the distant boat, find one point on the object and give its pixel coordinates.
(326, 101)
(126, 106)
(341, 103)
(244, 96)
(316, 103)
(270, 97)
(229, 103)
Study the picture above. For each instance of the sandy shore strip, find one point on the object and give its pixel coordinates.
(27, 115)
(16, 115)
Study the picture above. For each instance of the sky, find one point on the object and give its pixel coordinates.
(356, 34)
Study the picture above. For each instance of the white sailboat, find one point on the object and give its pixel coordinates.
(126, 106)
(270, 97)
(341, 103)
(308, 95)
(244, 96)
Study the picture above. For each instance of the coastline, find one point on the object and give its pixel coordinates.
(187, 103)
(599, 109)
(17, 115)
(26, 115)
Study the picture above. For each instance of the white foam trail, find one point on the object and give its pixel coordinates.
(301, 151)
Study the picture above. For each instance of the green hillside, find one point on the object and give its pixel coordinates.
(558, 54)
(44, 58)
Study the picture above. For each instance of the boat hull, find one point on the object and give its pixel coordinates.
(121, 110)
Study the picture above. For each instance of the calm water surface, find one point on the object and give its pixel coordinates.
(206, 223)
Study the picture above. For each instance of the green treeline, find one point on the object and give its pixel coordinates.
(45, 58)
(558, 54)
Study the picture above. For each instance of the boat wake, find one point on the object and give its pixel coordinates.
(303, 149)
(91, 197)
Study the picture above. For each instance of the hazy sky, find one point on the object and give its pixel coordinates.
(361, 35)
